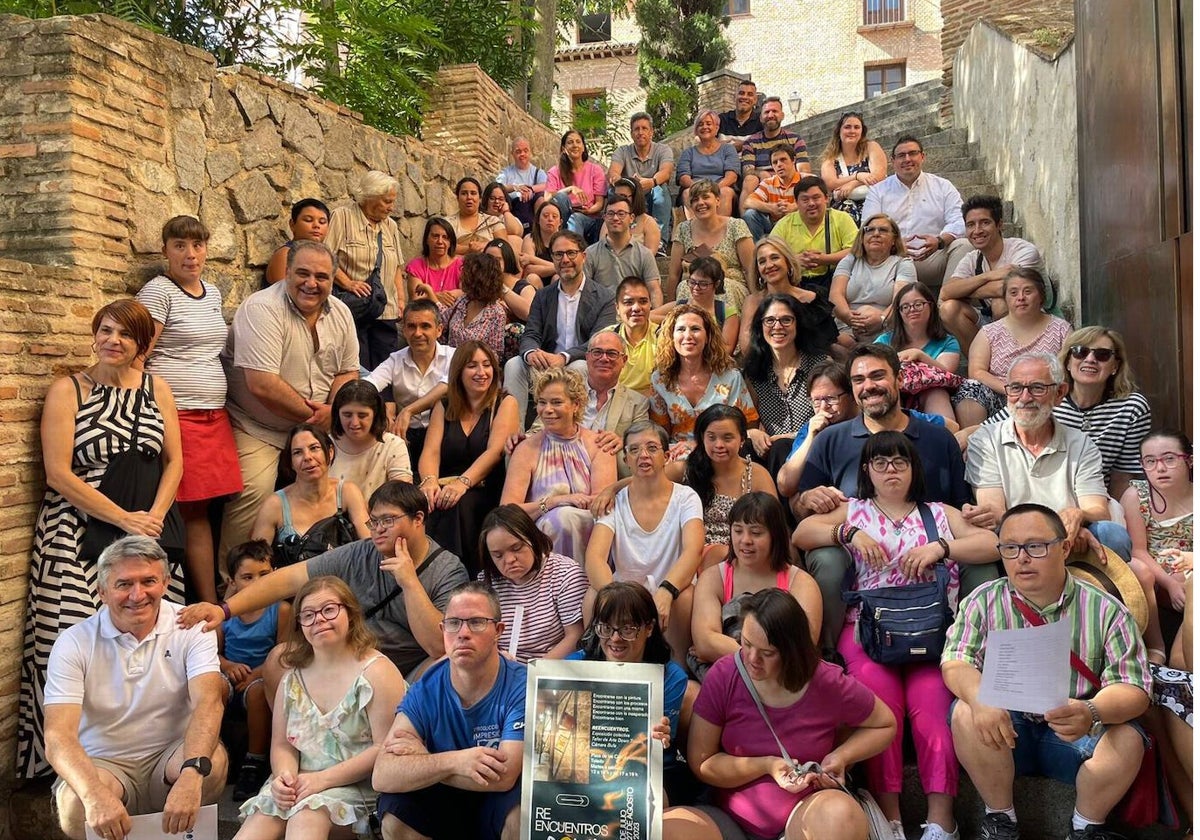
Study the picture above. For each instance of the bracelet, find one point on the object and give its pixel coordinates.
(945, 548)
(225, 609)
(542, 506)
(670, 587)
(834, 534)
(465, 480)
(426, 479)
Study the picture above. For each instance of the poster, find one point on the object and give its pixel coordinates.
(149, 827)
(591, 769)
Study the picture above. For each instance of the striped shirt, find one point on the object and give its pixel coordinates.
(353, 239)
(549, 603)
(757, 148)
(773, 189)
(187, 353)
(1104, 634)
(1116, 426)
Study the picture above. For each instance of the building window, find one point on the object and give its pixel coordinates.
(883, 78)
(733, 8)
(594, 29)
(876, 12)
(589, 112)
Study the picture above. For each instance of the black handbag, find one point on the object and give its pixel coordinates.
(324, 535)
(902, 624)
(131, 482)
(366, 309)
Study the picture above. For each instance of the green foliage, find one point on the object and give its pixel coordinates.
(681, 39)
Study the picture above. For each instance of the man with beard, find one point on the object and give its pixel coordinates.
(1030, 458)
(756, 151)
(831, 472)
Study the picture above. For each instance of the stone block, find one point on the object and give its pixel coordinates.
(304, 183)
(262, 148)
(280, 175)
(18, 150)
(218, 218)
(262, 238)
(302, 132)
(338, 142)
(154, 177)
(333, 184)
(221, 115)
(189, 153)
(251, 101)
(411, 201)
(222, 164)
(252, 198)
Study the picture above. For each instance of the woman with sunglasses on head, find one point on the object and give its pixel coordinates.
(885, 530)
(780, 273)
(850, 164)
(332, 710)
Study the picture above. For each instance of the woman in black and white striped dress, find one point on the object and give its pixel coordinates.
(88, 420)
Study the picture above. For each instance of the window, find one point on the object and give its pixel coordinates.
(883, 78)
(882, 11)
(733, 8)
(589, 112)
(594, 29)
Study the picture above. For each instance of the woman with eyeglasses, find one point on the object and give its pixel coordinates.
(850, 164)
(541, 592)
(780, 273)
(1158, 515)
(829, 391)
(707, 287)
(333, 709)
(866, 280)
(495, 202)
(1027, 328)
(884, 529)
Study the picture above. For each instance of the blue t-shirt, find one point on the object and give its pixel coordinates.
(935, 419)
(250, 643)
(444, 725)
(933, 348)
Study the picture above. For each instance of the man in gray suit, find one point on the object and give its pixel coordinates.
(562, 318)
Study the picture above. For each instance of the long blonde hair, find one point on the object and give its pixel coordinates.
(1121, 384)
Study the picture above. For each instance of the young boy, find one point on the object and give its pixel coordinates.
(310, 220)
(244, 643)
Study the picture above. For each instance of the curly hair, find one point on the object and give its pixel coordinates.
(571, 382)
(481, 278)
(716, 357)
(299, 652)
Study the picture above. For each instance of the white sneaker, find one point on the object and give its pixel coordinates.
(933, 831)
(897, 828)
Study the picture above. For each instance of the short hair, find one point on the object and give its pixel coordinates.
(705, 112)
(711, 268)
(759, 508)
(572, 384)
(1121, 384)
(400, 494)
(130, 547)
(642, 427)
(489, 188)
(785, 150)
(596, 336)
(303, 245)
(1031, 275)
(1058, 373)
(637, 201)
(907, 138)
(477, 587)
(625, 602)
(886, 444)
(299, 651)
(430, 224)
(507, 256)
(287, 474)
(785, 625)
(375, 184)
(481, 279)
(784, 250)
(876, 351)
(638, 116)
(628, 283)
(359, 392)
(257, 550)
(456, 396)
(133, 316)
(858, 249)
(702, 186)
(422, 305)
(539, 246)
(807, 183)
(520, 138)
(468, 180)
(767, 99)
(186, 227)
(990, 203)
(514, 520)
(715, 357)
(830, 369)
(615, 197)
(745, 82)
(564, 233)
(1050, 515)
(304, 203)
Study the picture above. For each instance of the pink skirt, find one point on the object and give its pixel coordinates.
(210, 462)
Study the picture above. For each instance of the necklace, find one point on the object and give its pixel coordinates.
(897, 521)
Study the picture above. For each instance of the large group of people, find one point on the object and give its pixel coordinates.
(523, 444)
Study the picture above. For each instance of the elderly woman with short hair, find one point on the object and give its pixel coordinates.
(366, 240)
(709, 159)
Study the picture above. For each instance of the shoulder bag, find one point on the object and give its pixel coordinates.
(364, 310)
(324, 535)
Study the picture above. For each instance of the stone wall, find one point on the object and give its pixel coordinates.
(1033, 158)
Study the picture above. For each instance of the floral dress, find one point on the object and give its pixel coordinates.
(1160, 536)
(843, 170)
(324, 739)
(673, 411)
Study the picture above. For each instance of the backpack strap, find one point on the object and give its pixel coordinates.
(391, 596)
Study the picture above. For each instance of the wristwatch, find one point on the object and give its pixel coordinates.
(202, 764)
(1097, 727)
(671, 588)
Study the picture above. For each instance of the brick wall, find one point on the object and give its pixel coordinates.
(615, 74)
(717, 91)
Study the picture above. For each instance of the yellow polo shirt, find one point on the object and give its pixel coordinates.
(640, 362)
(792, 230)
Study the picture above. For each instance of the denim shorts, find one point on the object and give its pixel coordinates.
(1040, 752)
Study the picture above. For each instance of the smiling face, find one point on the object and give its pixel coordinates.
(617, 649)
(772, 116)
(907, 160)
(812, 204)
(703, 203)
(323, 632)
(828, 396)
(556, 409)
(689, 335)
(468, 199)
(605, 360)
(132, 591)
(702, 288)
(573, 146)
(569, 260)
(185, 259)
(747, 98)
(850, 132)
(310, 280)
(759, 655)
(875, 387)
(617, 217)
(915, 311)
(378, 207)
(1089, 371)
(115, 345)
(477, 375)
(722, 441)
(421, 330)
(982, 230)
(779, 326)
(512, 555)
(1039, 580)
(708, 127)
(633, 307)
(773, 266)
(356, 421)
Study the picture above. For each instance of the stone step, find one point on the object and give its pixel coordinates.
(946, 137)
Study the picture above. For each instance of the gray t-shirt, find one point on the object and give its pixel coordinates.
(609, 267)
(358, 565)
(634, 167)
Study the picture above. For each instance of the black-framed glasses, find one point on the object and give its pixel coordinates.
(1170, 460)
(628, 632)
(915, 306)
(329, 612)
(779, 321)
(616, 214)
(1035, 389)
(829, 400)
(476, 623)
(386, 522)
(700, 283)
(1079, 352)
(570, 255)
(898, 463)
(602, 353)
(1036, 550)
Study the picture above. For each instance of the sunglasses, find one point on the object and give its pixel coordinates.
(1080, 352)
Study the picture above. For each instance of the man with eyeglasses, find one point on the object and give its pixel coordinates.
(617, 256)
(928, 209)
(1092, 741)
(451, 764)
(401, 577)
(562, 317)
(1032, 458)
(974, 294)
(819, 236)
(775, 196)
(649, 163)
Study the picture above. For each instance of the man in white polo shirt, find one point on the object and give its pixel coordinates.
(118, 687)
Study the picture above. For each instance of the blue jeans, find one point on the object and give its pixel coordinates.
(658, 205)
(1113, 535)
(760, 223)
(581, 223)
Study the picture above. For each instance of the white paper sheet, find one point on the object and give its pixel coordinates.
(149, 827)
(1028, 669)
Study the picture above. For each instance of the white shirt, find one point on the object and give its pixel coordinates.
(408, 383)
(1014, 251)
(568, 312)
(646, 557)
(593, 418)
(930, 207)
(134, 695)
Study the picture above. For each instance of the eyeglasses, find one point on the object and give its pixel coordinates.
(829, 400)
(700, 284)
(636, 449)
(779, 321)
(897, 463)
(1170, 460)
(1101, 354)
(1036, 550)
(616, 214)
(601, 353)
(477, 623)
(903, 155)
(570, 255)
(1035, 389)
(329, 612)
(628, 632)
(872, 231)
(384, 522)
(915, 306)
